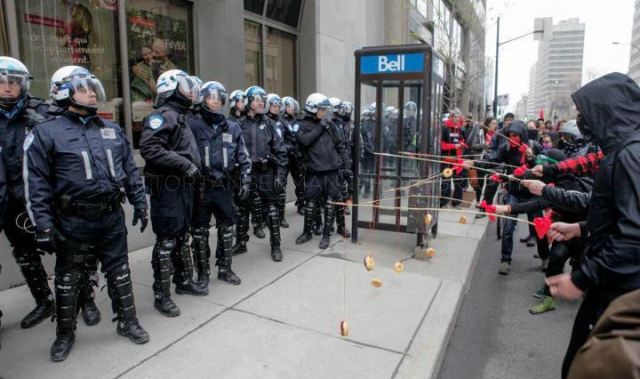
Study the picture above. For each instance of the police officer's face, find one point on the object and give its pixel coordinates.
(274, 109)
(213, 103)
(289, 110)
(10, 87)
(85, 96)
(321, 114)
(240, 105)
(257, 105)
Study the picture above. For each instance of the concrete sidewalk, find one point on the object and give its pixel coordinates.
(282, 322)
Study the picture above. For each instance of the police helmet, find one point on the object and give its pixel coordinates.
(257, 95)
(71, 80)
(315, 102)
(214, 97)
(179, 85)
(13, 73)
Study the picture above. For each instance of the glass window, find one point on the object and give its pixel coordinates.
(4, 42)
(159, 39)
(285, 11)
(280, 70)
(252, 53)
(56, 33)
(254, 6)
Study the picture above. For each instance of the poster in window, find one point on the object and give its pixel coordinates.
(57, 33)
(157, 43)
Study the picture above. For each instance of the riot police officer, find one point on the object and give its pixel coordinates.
(344, 113)
(274, 106)
(172, 167)
(221, 147)
(345, 173)
(237, 106)
(79, 165)
(296, 158)
(268, 167)
(322, 144)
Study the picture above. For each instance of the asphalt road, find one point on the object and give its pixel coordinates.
(495, 336)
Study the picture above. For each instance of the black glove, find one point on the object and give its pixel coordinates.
(325, 125)
(279, 184)
(193, 171)
(245, 189)
(45, 242)
(140, 214)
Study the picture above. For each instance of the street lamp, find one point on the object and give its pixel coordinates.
(498, 44)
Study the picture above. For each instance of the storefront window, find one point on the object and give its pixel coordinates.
(4, 42)
(280, 70)
(253, 55)
(158, 39)
(57, 33)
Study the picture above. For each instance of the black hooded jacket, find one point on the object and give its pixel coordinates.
(610, 107)
(512, 157)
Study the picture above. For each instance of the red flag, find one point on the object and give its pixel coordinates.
(541, 114)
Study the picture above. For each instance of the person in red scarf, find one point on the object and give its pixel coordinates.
(452, 145)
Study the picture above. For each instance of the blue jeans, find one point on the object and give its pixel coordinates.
(507, 232)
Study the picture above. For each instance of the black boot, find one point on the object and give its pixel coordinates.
(342, 228)
(257, 218)
(309, 214)
(36, 277)
(225, 248)
(317, 220)
(123, 304)
(283, 202)
(66, 310)
(161, 263)
(274, 233)
(90, 312)
(329, 218)
(201, 255)
(242, 231)
(183, 278)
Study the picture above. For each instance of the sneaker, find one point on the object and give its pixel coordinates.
(539, 294)
(547, 304)
(505, 268)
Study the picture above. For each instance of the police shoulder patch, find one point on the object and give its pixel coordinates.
(28, 140)
(155, 121)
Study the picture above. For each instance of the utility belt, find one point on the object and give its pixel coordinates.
(90, 209)
(262, 165)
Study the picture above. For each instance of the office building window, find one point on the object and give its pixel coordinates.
(280, 62)
(253, 52)
(158, 39)
(270, 44)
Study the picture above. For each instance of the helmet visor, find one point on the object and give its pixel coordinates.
(87, 91)
(189, 88)
(214, 100)
(13, 86)
(258, 103)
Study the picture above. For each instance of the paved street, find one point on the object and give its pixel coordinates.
(282, 322)
(495, 336)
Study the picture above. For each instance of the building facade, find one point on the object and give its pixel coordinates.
(558, 70)
(290, 47)
(634, 53)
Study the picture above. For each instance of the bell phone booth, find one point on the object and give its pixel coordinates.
(398, 99)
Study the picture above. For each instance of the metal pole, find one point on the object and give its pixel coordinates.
(495, 80)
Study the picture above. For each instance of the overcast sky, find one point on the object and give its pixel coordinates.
(605, 22)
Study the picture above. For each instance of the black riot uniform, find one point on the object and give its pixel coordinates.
(268, 166)
(296, 161)
(345, 176)
(367, 131)
(76, 168)
(288, 141)
(322, 144)
(172, 165)
(222, 151)
(14, 127)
